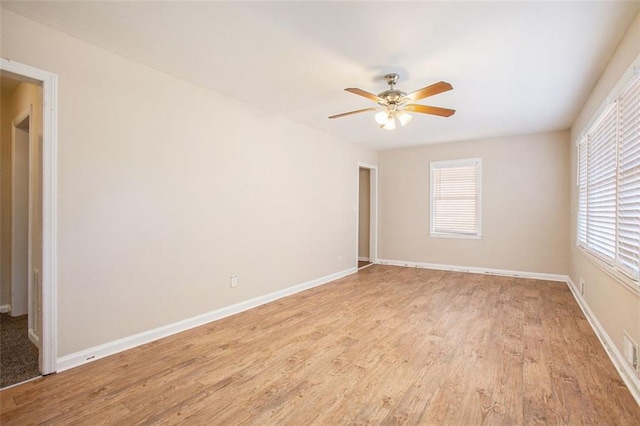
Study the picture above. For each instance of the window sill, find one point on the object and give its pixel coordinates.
(456, 236)
(618, 276)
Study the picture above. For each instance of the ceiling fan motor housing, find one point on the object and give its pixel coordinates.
(391, 96)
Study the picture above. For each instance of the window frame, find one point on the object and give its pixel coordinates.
(456, 163)
(610, 266)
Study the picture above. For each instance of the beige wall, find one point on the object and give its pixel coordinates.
(364, 212)
(616, 307)
(525, 204)
(16, 103)
(165, 189)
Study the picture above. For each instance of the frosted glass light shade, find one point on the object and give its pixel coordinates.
(381, 117)
(390, 124)
(404, 118)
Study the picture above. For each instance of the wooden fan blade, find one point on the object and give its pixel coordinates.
(353, 112)
(425, 109)
(365, 94)
(425, 92)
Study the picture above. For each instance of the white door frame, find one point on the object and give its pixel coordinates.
(373, 210)
(49, 273)
(23, 115)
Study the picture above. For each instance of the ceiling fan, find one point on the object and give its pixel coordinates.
(395, 104)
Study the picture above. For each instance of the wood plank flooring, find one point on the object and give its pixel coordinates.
(387, 345)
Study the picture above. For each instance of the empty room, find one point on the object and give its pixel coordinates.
(320, 212)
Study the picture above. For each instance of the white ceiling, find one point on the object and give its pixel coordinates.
(516, 67)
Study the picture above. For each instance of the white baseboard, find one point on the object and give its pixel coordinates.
(363, 259)
(87, 355)
(5, 309)
(34, 338)
(475, 270)
(624, 369)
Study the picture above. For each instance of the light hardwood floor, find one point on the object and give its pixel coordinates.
(386, 345)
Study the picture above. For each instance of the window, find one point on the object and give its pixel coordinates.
(456, 198)
(609, 184)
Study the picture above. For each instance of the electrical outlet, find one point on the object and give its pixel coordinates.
(234, 280)
(581, 286)
(630, 350)
(339, 258)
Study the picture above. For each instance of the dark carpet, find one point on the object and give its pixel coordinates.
(18, 356)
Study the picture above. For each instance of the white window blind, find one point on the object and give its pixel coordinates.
(601, 186)
(455, 198)
(582, 197)
(629, 180)
(609, 184)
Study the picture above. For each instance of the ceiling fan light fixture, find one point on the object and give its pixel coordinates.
(404, 118)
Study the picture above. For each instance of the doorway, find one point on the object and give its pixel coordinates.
(21, 236)
(28, 283)
(367, 215)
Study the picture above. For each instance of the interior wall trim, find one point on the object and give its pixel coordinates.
(624, 369)
(34, 338)
(4, 309)
(475, 270)
(97, 352)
